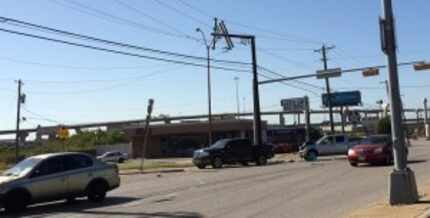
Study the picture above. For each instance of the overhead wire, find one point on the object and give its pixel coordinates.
(118, 52)
(110, 16)
(142, 13)
(280, 36)
(164, 4)
(32, 26)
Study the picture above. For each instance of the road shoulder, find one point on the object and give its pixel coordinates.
(382, 209)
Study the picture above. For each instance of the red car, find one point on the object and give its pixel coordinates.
(376, 149)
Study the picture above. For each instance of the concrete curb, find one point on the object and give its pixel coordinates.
(136, 172)
(425, 214)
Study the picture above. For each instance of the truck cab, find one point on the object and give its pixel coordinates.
(232, 151)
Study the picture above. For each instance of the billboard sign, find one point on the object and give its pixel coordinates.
(339, 99)
(294, 104)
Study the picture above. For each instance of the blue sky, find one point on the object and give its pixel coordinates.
(72, 85)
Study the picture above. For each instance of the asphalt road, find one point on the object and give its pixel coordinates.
(326, 188)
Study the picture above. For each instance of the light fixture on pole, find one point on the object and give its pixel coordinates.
(208, 46)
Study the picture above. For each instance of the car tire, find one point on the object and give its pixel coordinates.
(121, 160)
(354, 164)
(311, 155)
(16, 201)
(261, 160)
(244, 163)
(96, 192)
(217, 163)
(201, 166)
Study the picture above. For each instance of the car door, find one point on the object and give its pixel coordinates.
(230, 151)
(340, 144)
(325, 147)
(49, 180)
(242, 150)
(80, 171)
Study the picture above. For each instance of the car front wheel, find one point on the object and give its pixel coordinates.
(354, 164)
(217, 163)
(16, 201)
(311, 156)
(97, 192)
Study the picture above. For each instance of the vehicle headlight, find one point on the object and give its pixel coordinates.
(378, 150)
(351, 152)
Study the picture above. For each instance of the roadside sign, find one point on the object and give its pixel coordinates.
(338, 99)
(335, 72)
(294, 104)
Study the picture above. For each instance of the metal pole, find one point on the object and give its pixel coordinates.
(257, 113)
(307, 119)
(426, 124)
(147, 133)
(403, 187)
(327, 85)
(209, 97)
(208, 48)
(18, 119)
(342, 119)
(236, 79)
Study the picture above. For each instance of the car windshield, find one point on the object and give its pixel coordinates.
(321, 140)
(23, 167)
(220, 143)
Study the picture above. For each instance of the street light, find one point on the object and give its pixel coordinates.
(207, 45)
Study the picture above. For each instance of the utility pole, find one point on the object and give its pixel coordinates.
(402, 188)
(147, 132)
(307, 119)
(323, 50)
(20, 100)
(208, 48)
(236, 80)
(426, 124)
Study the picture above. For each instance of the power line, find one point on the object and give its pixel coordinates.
(118, 52)
(297, 81)
(279, 36)
(182, 13)
(108, 42)
(140, 12)
(297, 63)
(94, 11)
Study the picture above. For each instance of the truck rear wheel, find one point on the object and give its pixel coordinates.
(261, 160)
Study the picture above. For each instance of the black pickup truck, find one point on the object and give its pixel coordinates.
(232, 151)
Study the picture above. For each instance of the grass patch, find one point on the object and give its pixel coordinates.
(153, 164)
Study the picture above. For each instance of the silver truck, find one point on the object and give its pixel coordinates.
(328, 145)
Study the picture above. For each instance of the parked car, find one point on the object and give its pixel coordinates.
(328, 145)
(376, 149)
(52, 177)
(113, 156)
(231, 151)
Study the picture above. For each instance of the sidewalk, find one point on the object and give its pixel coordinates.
(382, 209)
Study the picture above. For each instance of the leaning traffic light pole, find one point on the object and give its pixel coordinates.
(258, 138)
(402, 187)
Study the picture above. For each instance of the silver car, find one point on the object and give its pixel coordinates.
(56, 176)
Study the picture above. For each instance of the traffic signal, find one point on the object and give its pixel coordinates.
(422, 66)
(370, 72)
